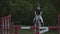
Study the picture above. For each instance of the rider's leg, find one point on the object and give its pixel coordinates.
(40, 17)
(42, 23)
(35, 18)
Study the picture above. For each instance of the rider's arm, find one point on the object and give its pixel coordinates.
(40, 12)
(35, 12)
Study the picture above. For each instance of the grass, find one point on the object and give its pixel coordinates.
(31, 32)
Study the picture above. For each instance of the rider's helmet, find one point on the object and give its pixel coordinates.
(38, 7)
(38, 4)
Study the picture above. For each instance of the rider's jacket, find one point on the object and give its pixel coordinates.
(38, 11)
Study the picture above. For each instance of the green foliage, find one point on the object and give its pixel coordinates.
(22, 11)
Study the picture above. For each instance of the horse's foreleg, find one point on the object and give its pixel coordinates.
(35, 25)
(39, 25)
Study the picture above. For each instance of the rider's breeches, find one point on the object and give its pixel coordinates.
(38, 17)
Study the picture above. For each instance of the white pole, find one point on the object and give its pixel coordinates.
(43, 31)
(8, 26)
(25, 27)
(2, 26)
(5, 26)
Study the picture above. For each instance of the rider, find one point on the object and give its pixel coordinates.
(38, 12)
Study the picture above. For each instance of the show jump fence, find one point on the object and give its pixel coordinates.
(6, 26)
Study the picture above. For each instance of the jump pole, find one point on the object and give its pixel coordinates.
(5, 25)
(58, 24)
(0, 26)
